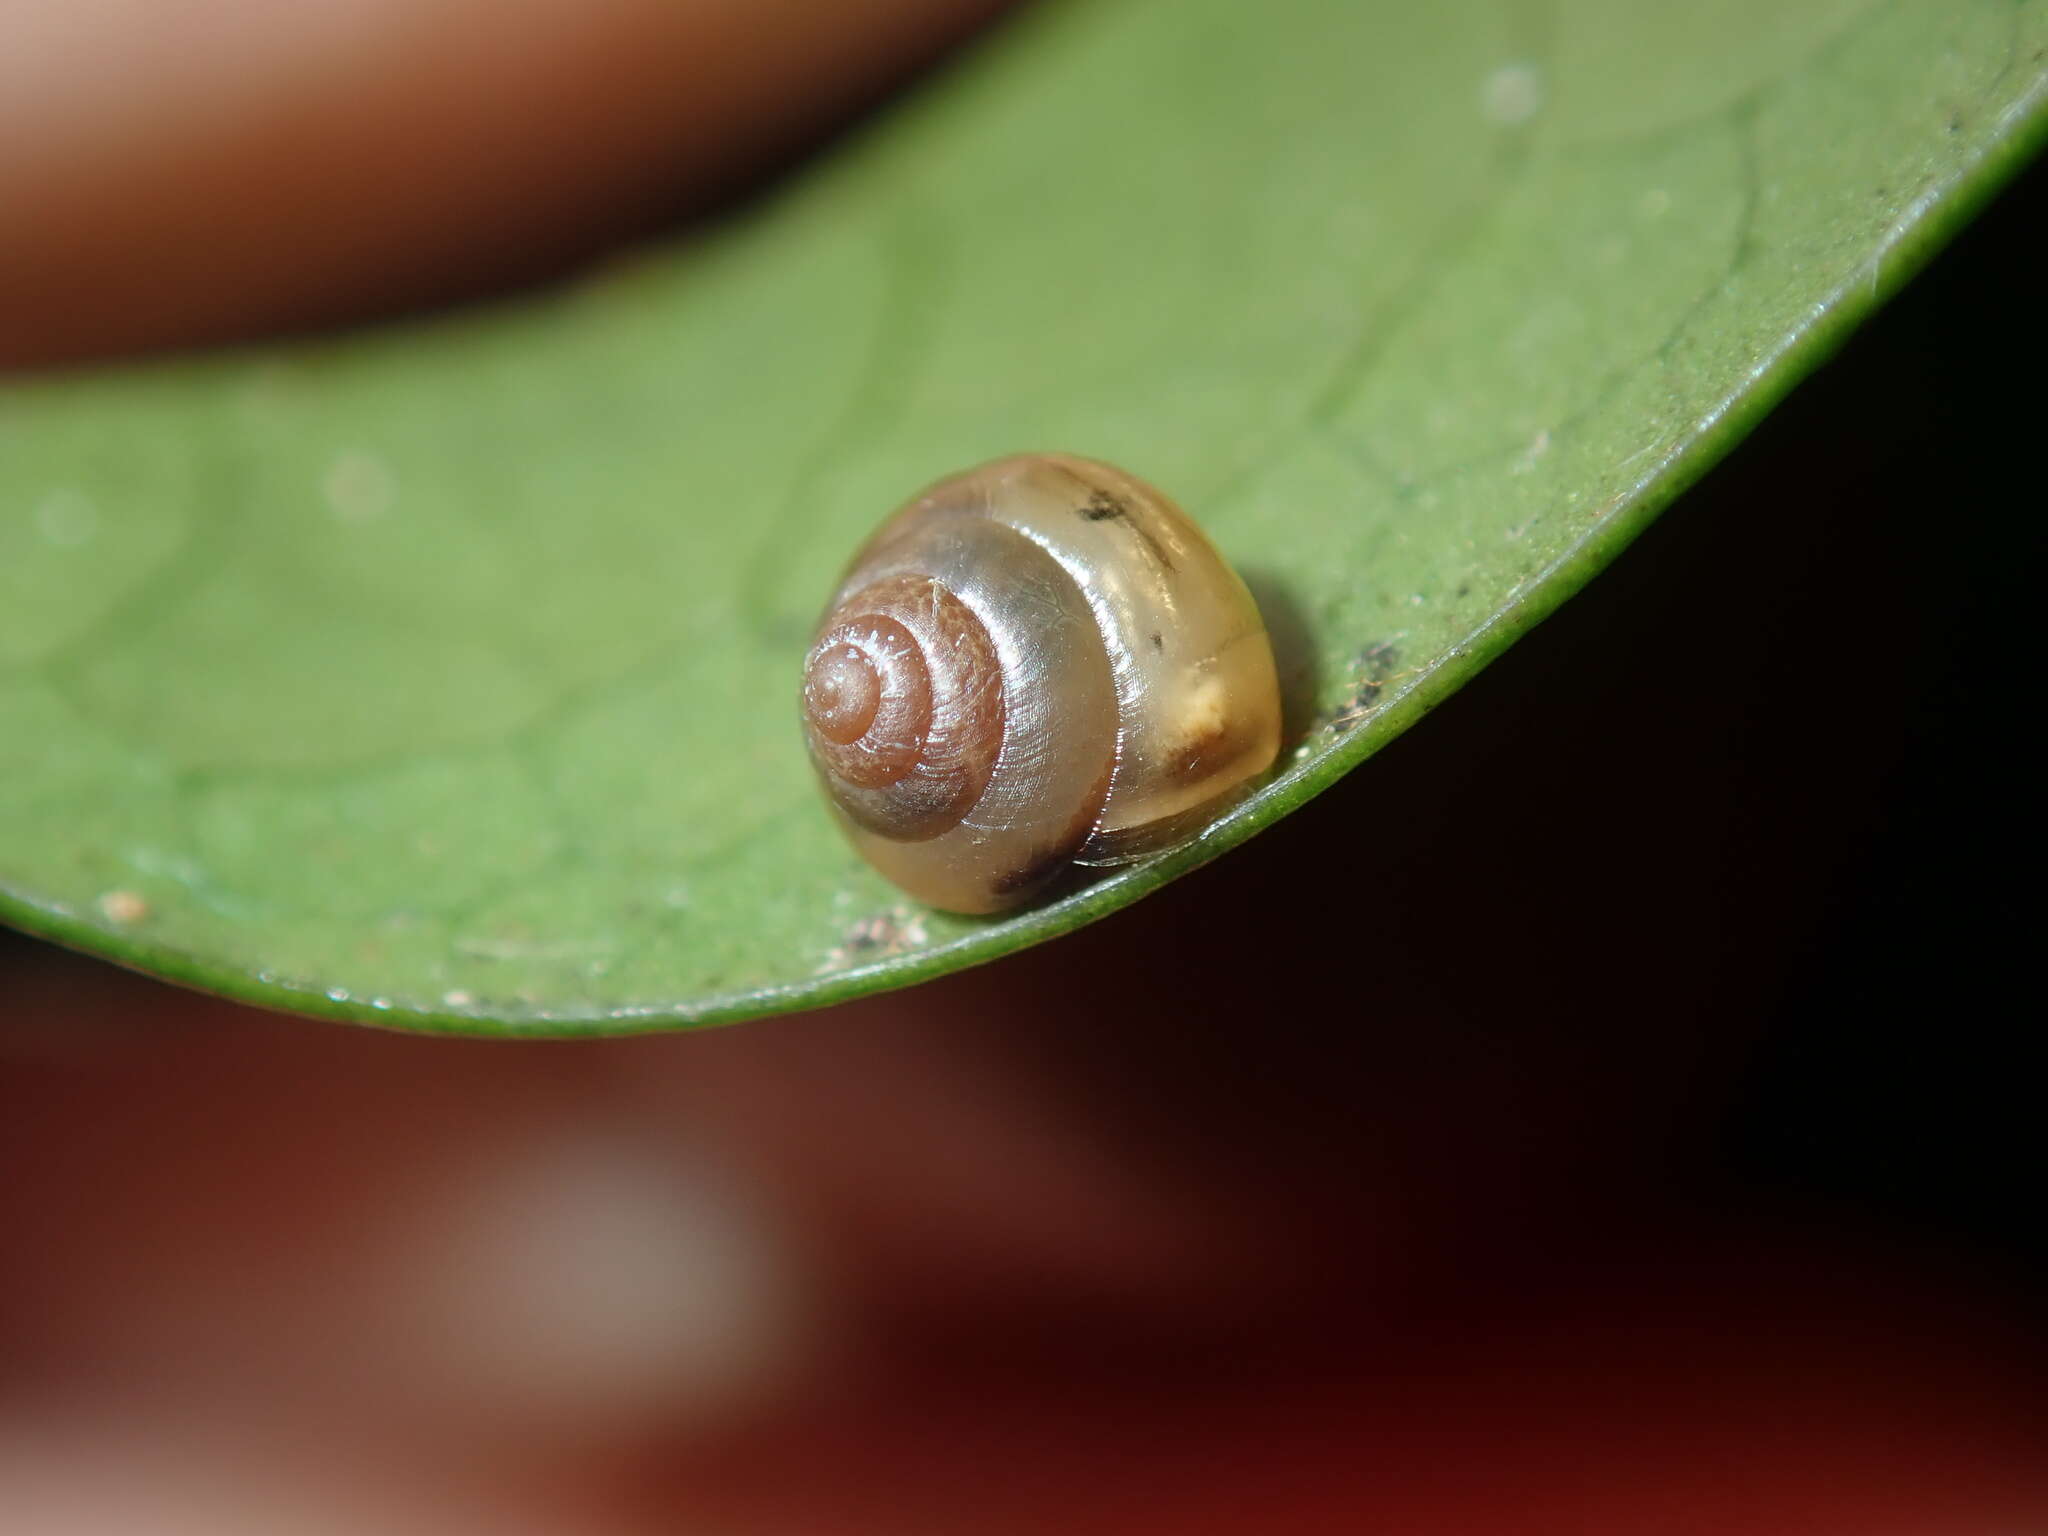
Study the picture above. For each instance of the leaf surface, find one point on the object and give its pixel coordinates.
(443, 676)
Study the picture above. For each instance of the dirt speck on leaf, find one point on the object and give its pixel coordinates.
(894, 931)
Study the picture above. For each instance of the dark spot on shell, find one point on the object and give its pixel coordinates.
(1158, 641)
(1101, 505)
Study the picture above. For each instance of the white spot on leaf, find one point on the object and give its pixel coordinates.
(359, 488)
(67, 518)
(1512, 94)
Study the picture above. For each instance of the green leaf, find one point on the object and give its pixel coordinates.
(443, 677)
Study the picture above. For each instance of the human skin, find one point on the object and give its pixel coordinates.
(179, 174)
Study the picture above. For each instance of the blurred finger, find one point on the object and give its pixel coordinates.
(176, 174)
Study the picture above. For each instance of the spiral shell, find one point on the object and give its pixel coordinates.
(1036, 663)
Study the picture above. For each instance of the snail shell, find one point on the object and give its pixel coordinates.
(1036, 663)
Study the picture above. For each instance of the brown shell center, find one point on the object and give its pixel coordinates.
(868, 699)
(903, 704)
(841, 693)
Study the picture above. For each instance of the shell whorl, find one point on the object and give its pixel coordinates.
(1036, 662)
(904, 698)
